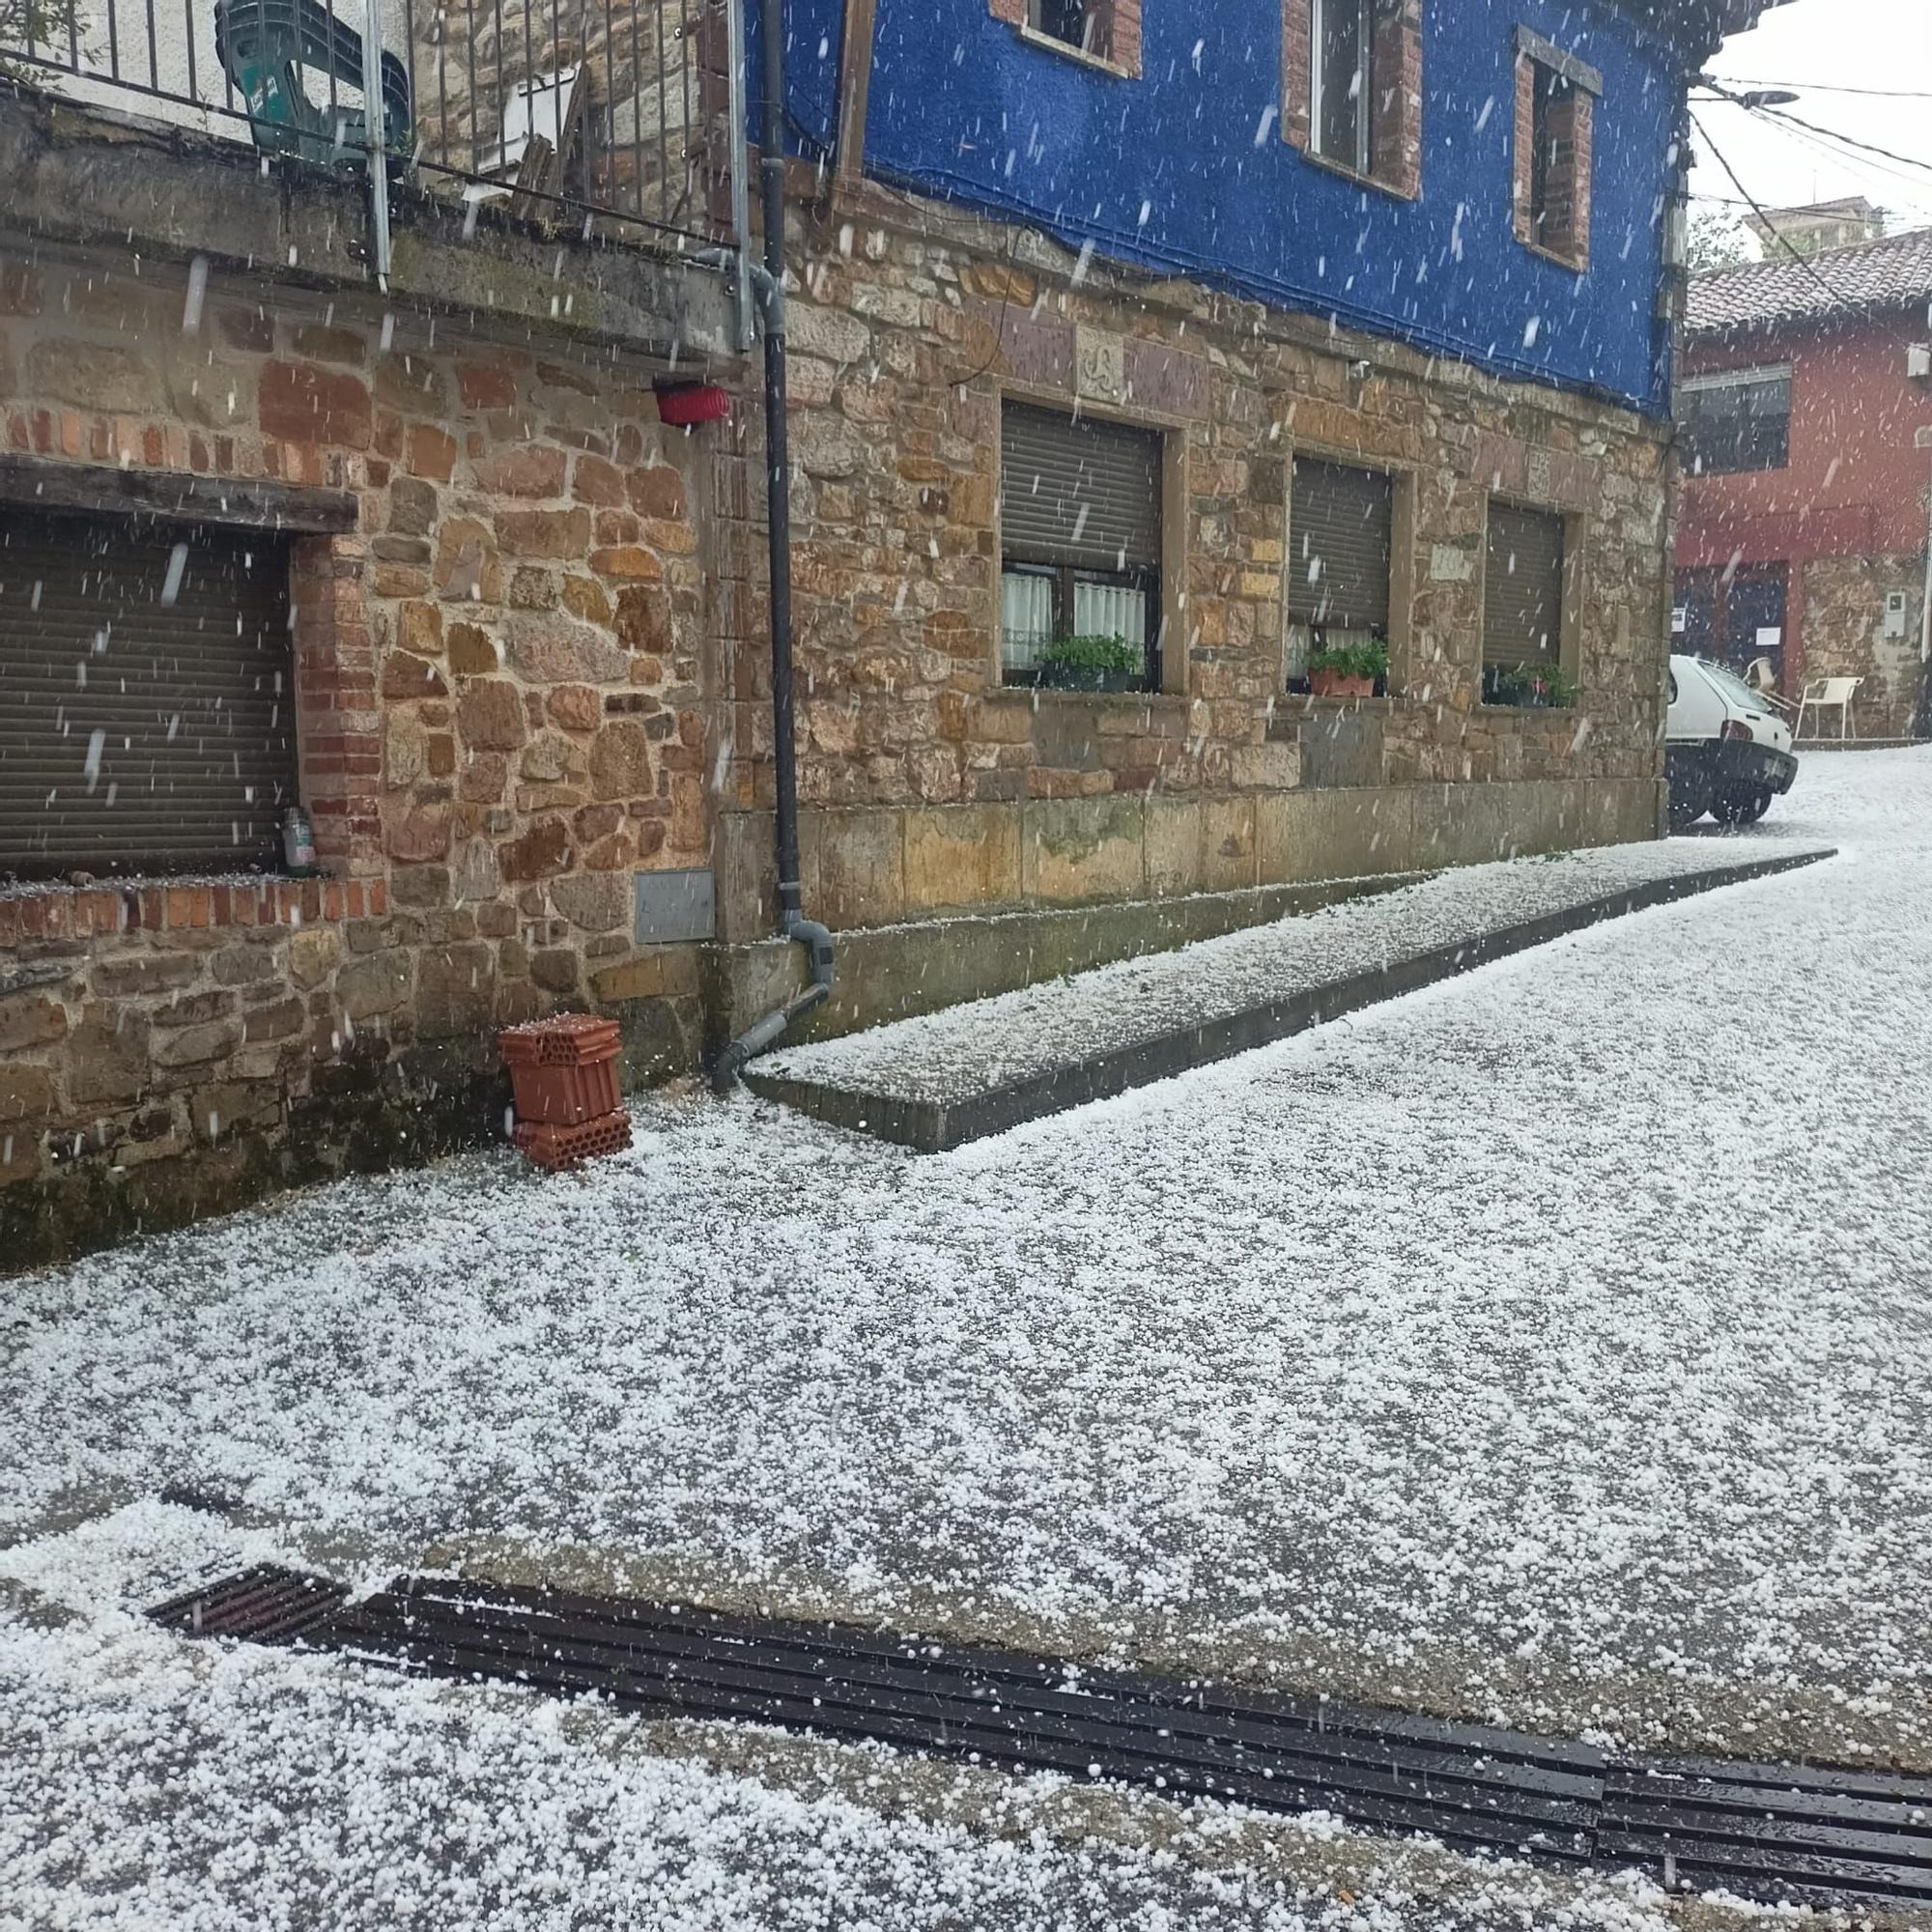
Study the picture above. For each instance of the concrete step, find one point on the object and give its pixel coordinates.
(980, 1069)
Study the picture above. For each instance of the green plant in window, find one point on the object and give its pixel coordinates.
(1531, 684)
(1107, 656)
(1091, 664)
(1370, 659)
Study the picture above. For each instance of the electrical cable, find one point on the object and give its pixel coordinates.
(1848, 140)
(1839, 298)
(1827, 87)
(1812, 127)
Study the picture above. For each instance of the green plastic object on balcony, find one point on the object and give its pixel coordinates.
(1091, 664)
(264, 46)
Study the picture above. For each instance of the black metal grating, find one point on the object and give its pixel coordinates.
(1785, 1832)
(266, 1605)
(1772, 1831)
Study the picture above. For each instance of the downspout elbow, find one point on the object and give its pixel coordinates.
(817, 943)
(767, 1032)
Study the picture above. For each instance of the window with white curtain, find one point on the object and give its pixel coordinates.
(1080, 510)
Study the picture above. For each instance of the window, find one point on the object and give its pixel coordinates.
(1080, 517)
(147, 720)
(1352, 87)
(1733, 422)
(1344, 81)
(1073, 22)
(1108, 31)
(1554, 149)
(1553, 124)
(1522, 607)
(1340, 548)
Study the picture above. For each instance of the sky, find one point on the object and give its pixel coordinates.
(1818, 47)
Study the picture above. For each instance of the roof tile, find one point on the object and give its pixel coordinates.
(1840, 281)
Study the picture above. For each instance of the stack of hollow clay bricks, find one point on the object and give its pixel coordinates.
(564, 1074)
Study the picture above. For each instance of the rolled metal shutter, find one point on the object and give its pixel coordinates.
(1523, 586)
(139, 732)
(1078, 491)
(1340, 525)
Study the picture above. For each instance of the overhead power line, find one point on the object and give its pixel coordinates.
(1774, 233)
(1847, 150)
(1845, 140)
(1770, 228)
(1826, 87)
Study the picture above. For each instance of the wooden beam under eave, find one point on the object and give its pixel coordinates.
(855, 87)
(31, 483)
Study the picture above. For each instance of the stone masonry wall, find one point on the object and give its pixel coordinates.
(929, 788)
(501, 696)
(1843, 636)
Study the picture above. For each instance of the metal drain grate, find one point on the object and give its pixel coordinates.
(266, 1605)
(1771, 1831)
(1480, 1791)
(1782, 1830)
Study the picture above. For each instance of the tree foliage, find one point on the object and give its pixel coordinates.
(1717, 241)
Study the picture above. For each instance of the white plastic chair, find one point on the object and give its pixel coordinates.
(1829, 693)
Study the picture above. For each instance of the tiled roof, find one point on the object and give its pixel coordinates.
(1840, 281)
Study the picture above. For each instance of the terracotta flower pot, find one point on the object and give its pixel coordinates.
(564, 1071)
(1339, 684)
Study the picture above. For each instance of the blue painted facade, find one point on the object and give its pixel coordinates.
(1183, 170)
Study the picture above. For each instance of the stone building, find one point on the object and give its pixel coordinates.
(1325, 367)
(1362, 381)
(1807, 460)
(1783, 232)
(444, 581)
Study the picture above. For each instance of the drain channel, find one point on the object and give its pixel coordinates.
(1771, 1831)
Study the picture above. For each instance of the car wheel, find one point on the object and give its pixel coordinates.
(1689, 799)
(1740, 808)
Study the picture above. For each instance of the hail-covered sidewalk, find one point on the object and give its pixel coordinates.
(1552, 1346)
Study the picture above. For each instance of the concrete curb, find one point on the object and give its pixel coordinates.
(934, 1126)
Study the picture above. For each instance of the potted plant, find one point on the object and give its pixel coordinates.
(1091, 664)
(1347, 670)
(1535, 686)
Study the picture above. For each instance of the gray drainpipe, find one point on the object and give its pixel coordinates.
(770, 285)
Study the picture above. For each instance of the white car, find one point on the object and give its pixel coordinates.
(1726, 748)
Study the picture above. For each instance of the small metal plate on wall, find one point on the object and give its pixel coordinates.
(674, 906)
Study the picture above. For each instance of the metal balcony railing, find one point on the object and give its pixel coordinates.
(622, 117)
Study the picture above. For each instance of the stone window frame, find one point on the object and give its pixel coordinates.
(1573, 590)
(1395, 112)
(1171, 626)
(1561, 236)
(1405, 578)
(1112, 47)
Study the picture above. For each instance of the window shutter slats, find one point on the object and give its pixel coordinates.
(1078, 491)
(1523, 586)
(1339, 546)
(193, 701)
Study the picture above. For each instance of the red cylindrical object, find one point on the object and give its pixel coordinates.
(683, 403)
(564, 1071)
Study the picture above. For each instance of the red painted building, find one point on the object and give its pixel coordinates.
(1806, 450)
